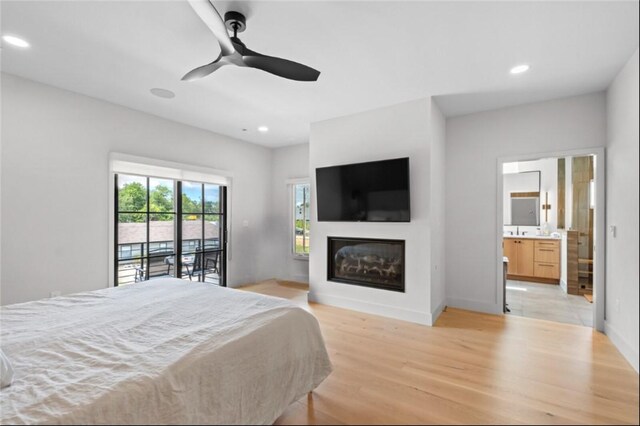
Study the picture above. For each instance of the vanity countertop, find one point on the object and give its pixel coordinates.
(532, 237)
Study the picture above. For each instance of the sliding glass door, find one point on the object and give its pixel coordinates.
(203, 225)
(169, 228)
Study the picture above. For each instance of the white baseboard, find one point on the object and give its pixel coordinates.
(563, 285)
(433, 317)
(371, 308)
(474, 305)
(623, 346)
(300, 278)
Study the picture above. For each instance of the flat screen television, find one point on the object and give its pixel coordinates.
(377, 191)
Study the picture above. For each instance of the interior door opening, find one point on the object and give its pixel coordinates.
(548, 238)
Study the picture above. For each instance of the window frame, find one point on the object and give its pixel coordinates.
(292, 184)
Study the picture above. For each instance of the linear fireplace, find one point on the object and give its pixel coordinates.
(366, 262)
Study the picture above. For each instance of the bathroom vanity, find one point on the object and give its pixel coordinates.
(532, 258)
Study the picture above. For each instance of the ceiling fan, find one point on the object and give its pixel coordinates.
(234, 52)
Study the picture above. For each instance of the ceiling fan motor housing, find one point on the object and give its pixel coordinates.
(235, 21)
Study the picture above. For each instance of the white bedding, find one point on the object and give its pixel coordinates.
(164, 351)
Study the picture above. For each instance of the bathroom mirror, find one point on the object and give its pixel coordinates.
(525, 211)
(522, 198)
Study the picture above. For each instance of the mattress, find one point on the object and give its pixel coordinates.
(162, 351)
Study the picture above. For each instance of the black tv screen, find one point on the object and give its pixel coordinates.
(365, 192)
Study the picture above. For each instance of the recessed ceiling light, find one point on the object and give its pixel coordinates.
(162, 93)
(16, 41)
(519, 69)
(263, 129)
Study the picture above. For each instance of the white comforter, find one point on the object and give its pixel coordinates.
(164, 351)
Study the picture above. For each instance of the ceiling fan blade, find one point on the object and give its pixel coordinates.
(204, 70)
(280, 67)
(208, 13)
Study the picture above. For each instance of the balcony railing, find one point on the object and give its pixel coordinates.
(198, 263)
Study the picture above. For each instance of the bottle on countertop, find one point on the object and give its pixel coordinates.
(546, 229)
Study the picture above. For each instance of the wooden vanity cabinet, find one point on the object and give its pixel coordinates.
(520, 253)
(533, 259)
(510, 251)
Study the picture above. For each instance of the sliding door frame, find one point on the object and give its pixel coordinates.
(178, 230)
(128, 164)
(178, 220)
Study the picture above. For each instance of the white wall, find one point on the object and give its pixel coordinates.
(622, 211)
(55, 147)
(437, 210)
(290, 162)
(0, 194)
(396, 131)
(474, 143)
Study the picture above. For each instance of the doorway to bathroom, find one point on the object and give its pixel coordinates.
(550, 213)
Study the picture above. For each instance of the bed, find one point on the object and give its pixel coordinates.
(162, 351)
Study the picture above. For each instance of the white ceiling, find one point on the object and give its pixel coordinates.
(371, 54)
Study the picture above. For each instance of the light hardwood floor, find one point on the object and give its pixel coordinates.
(469, 368)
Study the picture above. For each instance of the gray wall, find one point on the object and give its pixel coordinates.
(55, 150)
(290, 162)
(622, 211)
(474, 143)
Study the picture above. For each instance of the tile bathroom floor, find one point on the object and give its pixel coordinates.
(548, 302)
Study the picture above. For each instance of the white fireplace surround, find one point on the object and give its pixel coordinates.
(412, 129)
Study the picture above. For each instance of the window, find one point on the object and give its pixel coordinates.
(301, 218)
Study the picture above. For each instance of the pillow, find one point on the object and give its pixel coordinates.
(6, 371)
